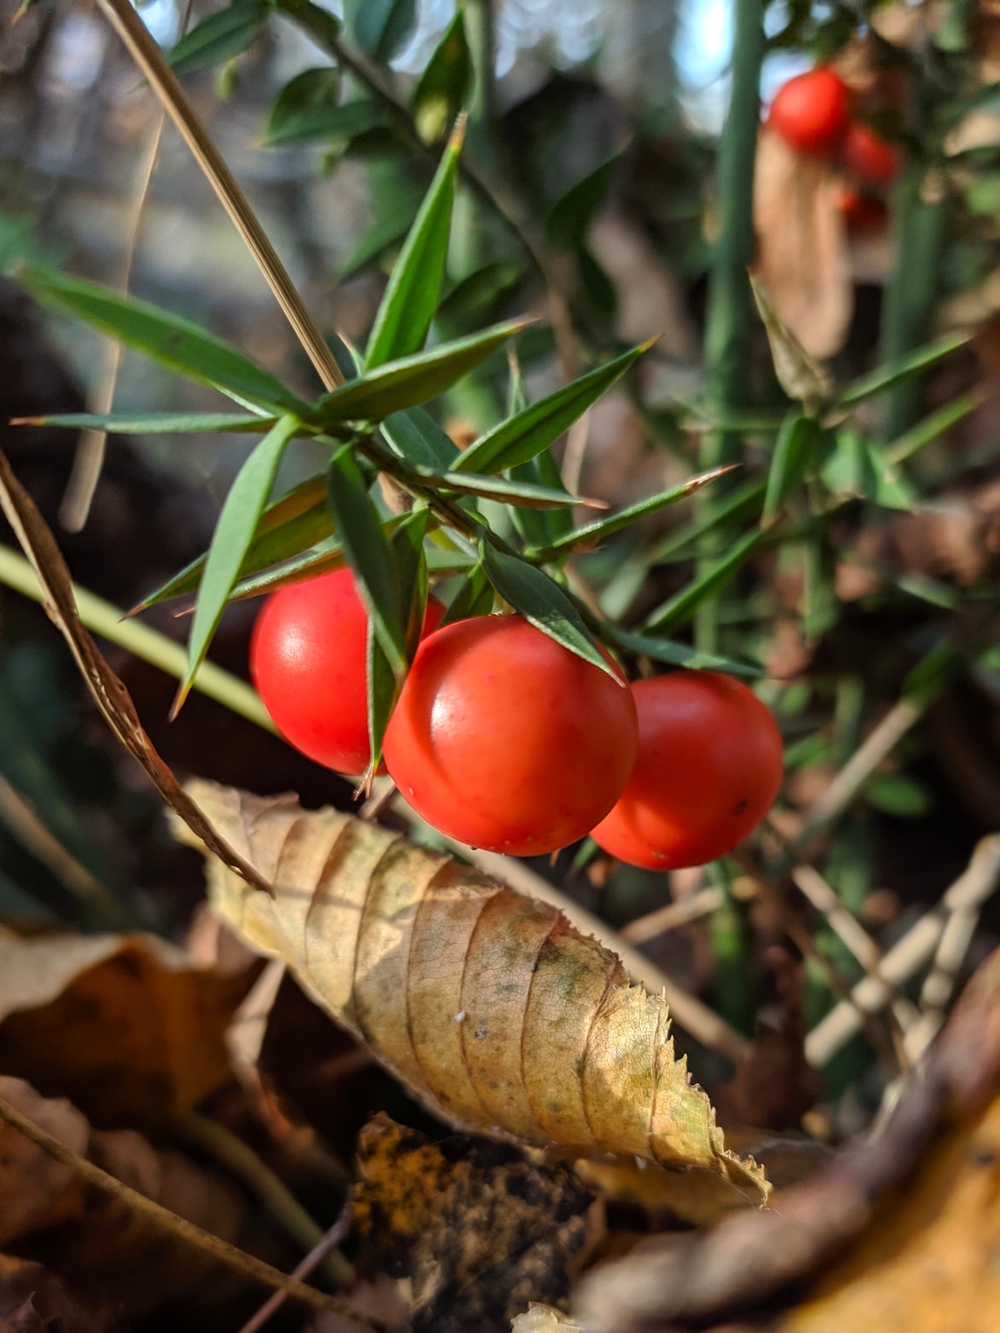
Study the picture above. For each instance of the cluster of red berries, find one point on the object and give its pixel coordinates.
(505, 740)
(812, 112)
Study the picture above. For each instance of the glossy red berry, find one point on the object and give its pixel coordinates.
(307, 659)
(868, 156)
(505, 740)
(811, 111)
(708, 770)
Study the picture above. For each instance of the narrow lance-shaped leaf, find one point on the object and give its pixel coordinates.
(540, 527)
(368, 552)
(293, 523)
(737, 504)
(329, 124)
(543, 602)
(682, 606)
(473, 598)
(794, 451)
(415, 379)
(383, 684)
(509, 492)
(322, 26)
(571, 215)
(410, 299)
(219, 37)
(319, 559)
(312, 90)
(888, 375)
(592, 533)
(155, 423)
(418, 438)
(176, 343)
(441, 89)
(931, 427)
(523, 436)
(233, 535)
(676, 654)
(381, 27)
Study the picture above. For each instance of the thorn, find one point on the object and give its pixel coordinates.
(587, 502)
(183, 690)
(26, 421)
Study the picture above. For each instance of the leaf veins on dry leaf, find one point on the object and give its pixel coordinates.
(488, 1005)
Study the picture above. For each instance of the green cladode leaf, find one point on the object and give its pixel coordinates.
(520, 493)
(293, 524)
(368, 551)
(418, 438)
(570, 216)
(794, 452)
(528, 432)
(474, 597)
(157, 423)
(682, 606)
(381, 27)
(232, 537)
(176, 343)
(377, 394)
(441, 90)
(326, 123)
(219, 37)
(888, 375)
(539, 599)
(676, 654)
(407, 308)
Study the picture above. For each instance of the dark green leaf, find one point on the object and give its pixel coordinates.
(327, 123)
(736, 505)
(598, 287)
(232, 537)
(507, 492)
(294, 523)
(441, 89)
(368, 552)
(932, 674)
(677, 654)
(570, 216)
(413, 380)
(820, 604)
(473, 598)
(479, 295)
(794, 451)
(382, 27)
(418, 438)
(312, 90)
(682, 606)
(175, 342)
(540, 600)
(318, 22)
(886, 376)
(595, 532)
(541, 527)
(410, 299)
(529, 432)
(319, 559)
(155, 423)
(221, 36)
(381, 691)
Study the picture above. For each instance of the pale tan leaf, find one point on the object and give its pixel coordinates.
(498, 1014)
(802, 254)
(544, 1319)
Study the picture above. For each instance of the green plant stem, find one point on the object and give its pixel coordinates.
(911, 294)
(728, 331)
(149, 644)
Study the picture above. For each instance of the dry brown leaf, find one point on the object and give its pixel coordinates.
(110, 695)
(471, 1230)
(498, 1014)
(802, 254)
(927, 1264)
(32, 1300)
(104, 1250)
(123, 1025)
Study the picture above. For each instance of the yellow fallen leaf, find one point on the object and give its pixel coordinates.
(498, 1014)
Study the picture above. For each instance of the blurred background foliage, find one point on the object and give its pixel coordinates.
(595, 196)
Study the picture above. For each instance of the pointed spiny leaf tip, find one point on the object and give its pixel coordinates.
(457, 137)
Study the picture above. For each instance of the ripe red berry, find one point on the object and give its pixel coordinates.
(307, 659)
(708, 770)
(811, 111)
(863, 213)
(868, 156)
(504, 739)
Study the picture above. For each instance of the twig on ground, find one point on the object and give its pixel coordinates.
(843, 923)
(337, 1233)
(147, 55)
(679, 913)
(686, 1009)
(169, 1222)
(939, 984)
(907, 956)
(270, 1190)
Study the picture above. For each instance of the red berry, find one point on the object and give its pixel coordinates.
(868, 156)
(708, 770)
(504, 739)
(862, 212)
(811, 111)
(307, 659)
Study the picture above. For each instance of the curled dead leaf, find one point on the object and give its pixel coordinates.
(493, 1010)
(123, 1025)
(802, 254)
